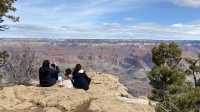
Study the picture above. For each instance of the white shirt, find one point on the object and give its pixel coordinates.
(67, 83)
(81, 71)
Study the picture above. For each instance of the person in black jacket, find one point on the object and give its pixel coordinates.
(47, 75)
(80, 79)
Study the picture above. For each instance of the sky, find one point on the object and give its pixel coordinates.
(106, 19)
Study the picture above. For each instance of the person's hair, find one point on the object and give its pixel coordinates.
(53, 65)
(45, 63)
(77, 68)
(68, 71)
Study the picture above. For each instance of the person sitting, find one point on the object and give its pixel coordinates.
(80, 78)
(46, 76)
(67, 82)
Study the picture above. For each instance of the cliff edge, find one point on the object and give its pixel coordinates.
(106, 94)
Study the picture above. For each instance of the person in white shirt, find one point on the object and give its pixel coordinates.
(67, 82)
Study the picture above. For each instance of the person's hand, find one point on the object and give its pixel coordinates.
(54, 62)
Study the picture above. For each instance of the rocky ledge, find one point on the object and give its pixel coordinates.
(106, 94)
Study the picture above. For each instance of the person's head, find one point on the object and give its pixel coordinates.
(78, 67)
(68, 71)
(45, 63)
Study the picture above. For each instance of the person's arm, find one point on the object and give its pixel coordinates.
(57, 69)
(40, 74)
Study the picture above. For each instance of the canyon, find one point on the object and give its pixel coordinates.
(130, 60)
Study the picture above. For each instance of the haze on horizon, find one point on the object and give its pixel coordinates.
(106, 19)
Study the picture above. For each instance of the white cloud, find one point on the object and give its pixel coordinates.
(69, 12)
(189, 3)
(80, 19)
(177, 25)
(108, 31)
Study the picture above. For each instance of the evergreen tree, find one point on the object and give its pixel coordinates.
(6, 6)
(169, 54)
(164, 79)
(182, 102)
(169, 86)
(194, 69)
(165, 73)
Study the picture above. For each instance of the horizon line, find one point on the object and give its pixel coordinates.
(125, 39)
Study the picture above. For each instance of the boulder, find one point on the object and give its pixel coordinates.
(106, 94)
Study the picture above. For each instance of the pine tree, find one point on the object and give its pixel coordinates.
(164, 79)
(194, 69)
(169, 86)
(169, 54)
(165, 73)
(6, 6)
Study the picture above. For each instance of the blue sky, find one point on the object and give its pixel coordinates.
(106, 19)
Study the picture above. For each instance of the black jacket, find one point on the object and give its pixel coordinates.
(55, 72)
(47, 76)
(81, 81)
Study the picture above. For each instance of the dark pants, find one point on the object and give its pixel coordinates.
(48, 83)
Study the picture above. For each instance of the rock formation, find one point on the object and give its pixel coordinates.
(106, 94)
